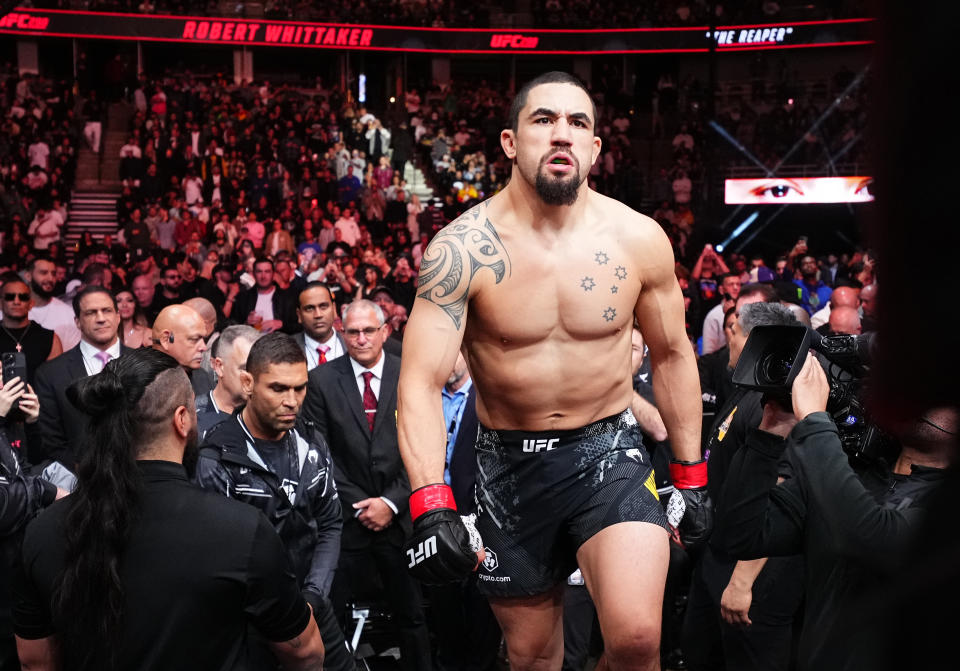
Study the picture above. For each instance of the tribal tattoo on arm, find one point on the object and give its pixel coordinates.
(453, 258)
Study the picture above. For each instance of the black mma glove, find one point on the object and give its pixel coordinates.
(442, 548)
(689, 510)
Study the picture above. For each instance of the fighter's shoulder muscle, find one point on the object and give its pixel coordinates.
(638, 231)
(454, 259)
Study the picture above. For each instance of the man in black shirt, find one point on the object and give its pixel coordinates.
(136, 233)
(740, 614)
(203, 566)
(853, 523)
(18, 333)
(264, 455)
(402, 282)
(170, 289)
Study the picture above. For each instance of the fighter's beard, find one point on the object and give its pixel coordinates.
(558, 191)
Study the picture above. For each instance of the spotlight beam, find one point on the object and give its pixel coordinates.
(725, 134)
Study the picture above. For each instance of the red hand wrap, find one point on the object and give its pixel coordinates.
(431, 497)
(686, 475)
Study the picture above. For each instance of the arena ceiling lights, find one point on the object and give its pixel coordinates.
(266, 33)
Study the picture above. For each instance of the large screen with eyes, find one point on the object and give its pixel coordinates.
(798, 190)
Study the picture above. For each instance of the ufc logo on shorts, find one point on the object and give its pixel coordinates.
(425, 549)
(540, 445)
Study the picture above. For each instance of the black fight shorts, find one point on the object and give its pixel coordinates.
(542, 495)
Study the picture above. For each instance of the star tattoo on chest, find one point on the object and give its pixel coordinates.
(587, 284)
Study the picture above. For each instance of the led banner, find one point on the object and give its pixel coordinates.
(254, 32)
(798, 190)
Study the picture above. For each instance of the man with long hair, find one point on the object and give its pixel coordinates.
(139, 568)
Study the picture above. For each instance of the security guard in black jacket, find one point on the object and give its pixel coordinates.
(22, 496)
(265, 455)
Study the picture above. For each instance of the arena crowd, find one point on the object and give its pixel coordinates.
(258, 209)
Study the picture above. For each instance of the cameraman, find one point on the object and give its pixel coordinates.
(740, 615)
(851, 523)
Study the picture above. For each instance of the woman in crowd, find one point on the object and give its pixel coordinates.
(134, 331)
(371, 277)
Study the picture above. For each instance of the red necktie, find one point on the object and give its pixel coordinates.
(322, 354)
(369, 400)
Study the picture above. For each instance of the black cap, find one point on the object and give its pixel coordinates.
(788, 292)
(382, 289)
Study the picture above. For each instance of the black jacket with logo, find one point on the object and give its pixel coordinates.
(310, 525)
(22, 496)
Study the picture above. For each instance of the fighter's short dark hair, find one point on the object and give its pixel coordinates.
(555, 77)
(271, 349)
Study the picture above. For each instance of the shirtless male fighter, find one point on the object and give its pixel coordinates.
(540, 285)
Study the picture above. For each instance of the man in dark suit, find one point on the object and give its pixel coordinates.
(353, 401)
(316, 312)
(179, 331)
(265, 305)
(61, 423)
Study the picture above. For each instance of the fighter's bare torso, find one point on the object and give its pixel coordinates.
(546, 314)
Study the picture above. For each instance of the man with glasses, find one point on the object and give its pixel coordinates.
(18, 333)
(353, 401)
(60, 422)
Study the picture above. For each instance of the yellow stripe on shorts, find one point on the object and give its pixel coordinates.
(651, 484)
